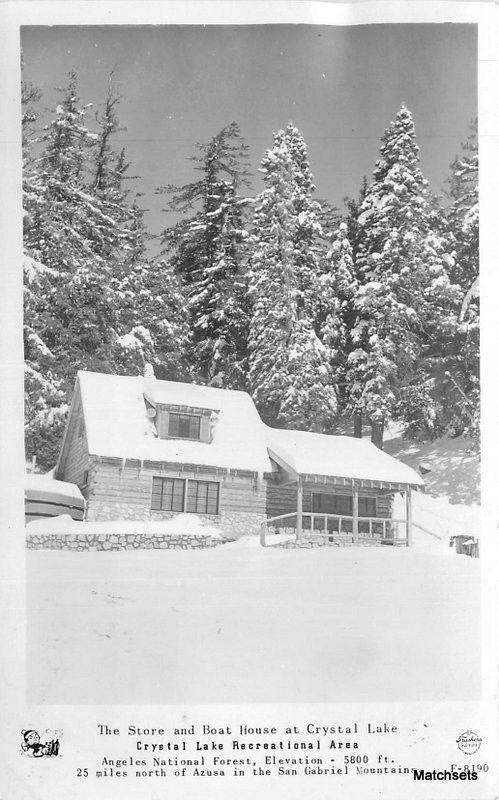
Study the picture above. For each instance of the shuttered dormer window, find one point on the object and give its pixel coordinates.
(184, 426)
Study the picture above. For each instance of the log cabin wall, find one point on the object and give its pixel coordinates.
(282, 499)
(124, 491)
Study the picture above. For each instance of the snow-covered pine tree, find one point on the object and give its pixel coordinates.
(289, 367)
(353, 212)
(402, 279)
(354, 235)
(45, 396)
(337, 288)
(30, 95)
(45, 408)
(69, 230)
(77, 237)
(207, 251)
(462, 354)
(152, 322)
(108, 168)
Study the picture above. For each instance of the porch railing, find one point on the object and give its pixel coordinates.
(316, 524)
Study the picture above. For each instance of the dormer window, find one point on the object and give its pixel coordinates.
(183, 422)
(184, 426)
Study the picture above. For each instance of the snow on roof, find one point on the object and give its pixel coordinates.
(191, 394)
(117, 425)
(338, 456)
(36, 482)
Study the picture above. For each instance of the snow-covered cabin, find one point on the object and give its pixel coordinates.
(142, 448)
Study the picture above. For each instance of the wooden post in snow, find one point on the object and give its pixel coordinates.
(299, 510)
(408, 515)
(263, 532)
(355, 512)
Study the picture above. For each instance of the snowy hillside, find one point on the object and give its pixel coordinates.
(450, 505)
(454, 465)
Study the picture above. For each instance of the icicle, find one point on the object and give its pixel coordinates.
(122, 467)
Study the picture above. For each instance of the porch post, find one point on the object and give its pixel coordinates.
(408, 515)
(355, 512)
(299, 509)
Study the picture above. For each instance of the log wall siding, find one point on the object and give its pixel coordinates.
(125, 492)
(282, 499)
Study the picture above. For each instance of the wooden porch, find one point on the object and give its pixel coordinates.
(340, 527)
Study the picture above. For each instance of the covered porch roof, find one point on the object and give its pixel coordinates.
(344, 460)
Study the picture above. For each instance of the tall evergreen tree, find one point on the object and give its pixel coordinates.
(402, 279)
(354, 206)
(69, 230)
(354, 235)
(207, 250)
(462, 353)
(289, 367)
(443, 397)
(151, 321)
(337, 289)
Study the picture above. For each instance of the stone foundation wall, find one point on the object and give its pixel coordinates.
(324, 541)
(84, 541)
(241, 523)
(233, 523)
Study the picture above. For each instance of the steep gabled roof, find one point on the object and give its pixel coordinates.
(117, 425)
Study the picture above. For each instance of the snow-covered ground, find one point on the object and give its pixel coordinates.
(240, 623)
(190, 524)
(450, 504)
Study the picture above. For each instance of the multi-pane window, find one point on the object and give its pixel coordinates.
(167, 494)
(333, 504)
(367, 507)
(342, 505)
(184, 426)
(202, 497)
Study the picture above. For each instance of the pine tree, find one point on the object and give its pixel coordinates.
(45, 396)
(208, 254)
(337, 289)
(354, 237)
(67, 229)
(403, 282)
(354, 206)
(289, 367)
(151, 320)
(45, 408)
(462, 351)
(443, 397)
